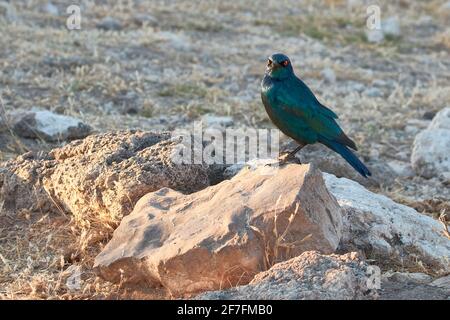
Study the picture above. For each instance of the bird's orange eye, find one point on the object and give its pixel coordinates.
(285, 63)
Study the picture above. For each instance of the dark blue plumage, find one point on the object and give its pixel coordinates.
(295, 110)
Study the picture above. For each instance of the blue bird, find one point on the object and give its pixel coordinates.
(295, 110)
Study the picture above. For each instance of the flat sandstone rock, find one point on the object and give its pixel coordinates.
(223, 235)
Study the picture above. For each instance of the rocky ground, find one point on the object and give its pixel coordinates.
(161, 65)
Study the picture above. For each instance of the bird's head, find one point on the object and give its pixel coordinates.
(279, 66)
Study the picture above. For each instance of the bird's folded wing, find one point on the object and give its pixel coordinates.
(296, 94)
(291, 102)
(326, 111)
(311, 113)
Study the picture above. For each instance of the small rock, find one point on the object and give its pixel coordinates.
(225, 234)
(374, 35)
(445, 7)
(405, 287)
(401, 168)
(127, 102)
(49, 126)
(310, 276)
(430, 155)
(425, 20)
(8, 11)
(441, 120)
(443, 283)
(175, 40)
(217, 121)
(109, 24)
(391, 27)
(379, 83)
(429, 115)
(444, 177)
(414, 277)
(51, 9)
(388, 231)
(373, 92)
(73, 281)
(355, 86)
(329, 75)
(143, 19)
(231, 171)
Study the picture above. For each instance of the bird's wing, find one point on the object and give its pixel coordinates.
(296, 90)
(297, 100)
(326, 111)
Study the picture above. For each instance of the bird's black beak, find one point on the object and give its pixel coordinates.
(269, 64)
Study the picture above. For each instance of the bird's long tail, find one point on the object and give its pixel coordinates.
(350, 157)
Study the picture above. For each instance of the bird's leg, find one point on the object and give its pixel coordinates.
(291, 155)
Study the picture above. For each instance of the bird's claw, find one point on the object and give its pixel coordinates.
(288, 157)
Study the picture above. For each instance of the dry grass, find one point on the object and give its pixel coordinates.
(41, 252)
(444, 221)
(201, 57)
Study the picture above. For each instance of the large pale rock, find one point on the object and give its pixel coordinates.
(109, 173)
(387, 230)
(223, 235)
(407, 277)
(443, 283)
(431, 156)
(104, 174)
(310, 276)
(412, 286)
(49, 126)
